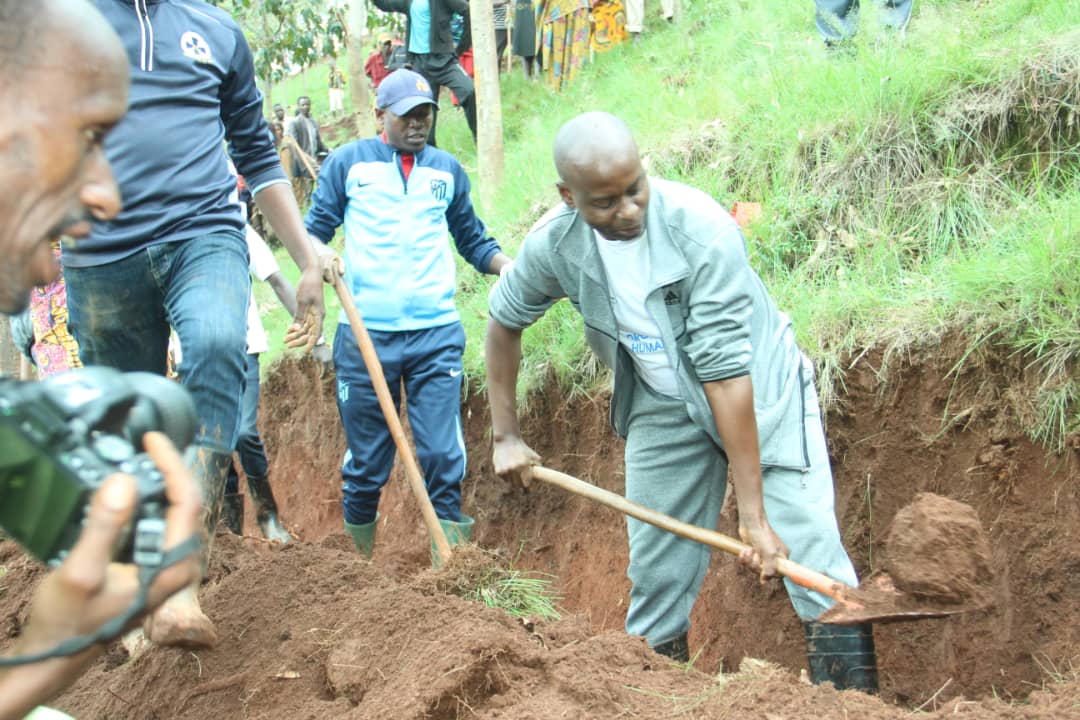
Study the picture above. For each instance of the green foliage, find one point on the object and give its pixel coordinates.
(1023, 291)
(283, 33)
(915, 187)
(477, 574)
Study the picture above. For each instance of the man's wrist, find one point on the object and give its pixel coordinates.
(502, 436)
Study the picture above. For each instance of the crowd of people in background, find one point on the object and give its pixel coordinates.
(551, 39)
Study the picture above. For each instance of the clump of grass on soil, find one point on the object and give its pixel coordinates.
(481, 576)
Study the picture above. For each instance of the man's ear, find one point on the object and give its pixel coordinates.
(380, 113)
(565, 194)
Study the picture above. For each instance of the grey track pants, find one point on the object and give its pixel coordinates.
(675, 468)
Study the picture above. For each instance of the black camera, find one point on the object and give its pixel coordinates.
(61, 437)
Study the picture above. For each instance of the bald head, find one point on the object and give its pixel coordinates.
(18, 21)
(593, 142)
(600, 174)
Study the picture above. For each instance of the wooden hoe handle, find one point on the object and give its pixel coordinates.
(386, 402)
(798, 574)
(304, 158)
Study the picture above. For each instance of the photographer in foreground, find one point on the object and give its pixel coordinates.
(66, 71)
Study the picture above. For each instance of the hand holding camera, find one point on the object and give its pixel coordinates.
(89, 588)
(62, 437)
(85, 421)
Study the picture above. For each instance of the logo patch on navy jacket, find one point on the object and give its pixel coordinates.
(195, 47)
(438, 189)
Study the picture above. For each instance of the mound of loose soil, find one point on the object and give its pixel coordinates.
(313, 631)
(310, 631)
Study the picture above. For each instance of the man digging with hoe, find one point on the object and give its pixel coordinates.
(707, 375)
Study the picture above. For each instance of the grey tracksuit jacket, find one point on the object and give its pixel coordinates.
(715, 316)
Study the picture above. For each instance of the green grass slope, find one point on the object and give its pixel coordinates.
(911, 187)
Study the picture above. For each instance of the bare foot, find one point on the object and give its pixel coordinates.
(180, 622)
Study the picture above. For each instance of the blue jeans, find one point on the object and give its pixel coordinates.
(250, 445)
(838, 19)
(429, 363)
(120, 314)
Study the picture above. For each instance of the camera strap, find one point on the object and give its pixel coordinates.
(112, 628)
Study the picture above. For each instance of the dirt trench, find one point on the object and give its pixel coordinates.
(914, 429)
(311, 631)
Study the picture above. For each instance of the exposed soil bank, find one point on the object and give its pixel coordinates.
(310, 631)
(899, 431)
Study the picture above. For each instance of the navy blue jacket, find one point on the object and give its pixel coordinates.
(192, 86)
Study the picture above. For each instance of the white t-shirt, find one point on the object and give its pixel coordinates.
(262, 264)
(627, 266)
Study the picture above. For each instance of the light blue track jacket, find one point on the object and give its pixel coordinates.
(398, 263)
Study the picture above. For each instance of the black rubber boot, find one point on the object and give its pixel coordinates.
(843, 655)
(232, 513)
(678, 649)
(266, 513)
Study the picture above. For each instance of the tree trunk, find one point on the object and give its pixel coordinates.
(489, 130)
(358, 82)
(268, 101)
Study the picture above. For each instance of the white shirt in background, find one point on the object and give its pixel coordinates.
(262, 264)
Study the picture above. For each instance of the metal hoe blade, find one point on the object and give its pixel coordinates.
(878, 600)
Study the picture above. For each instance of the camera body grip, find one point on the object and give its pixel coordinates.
(61, 437)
